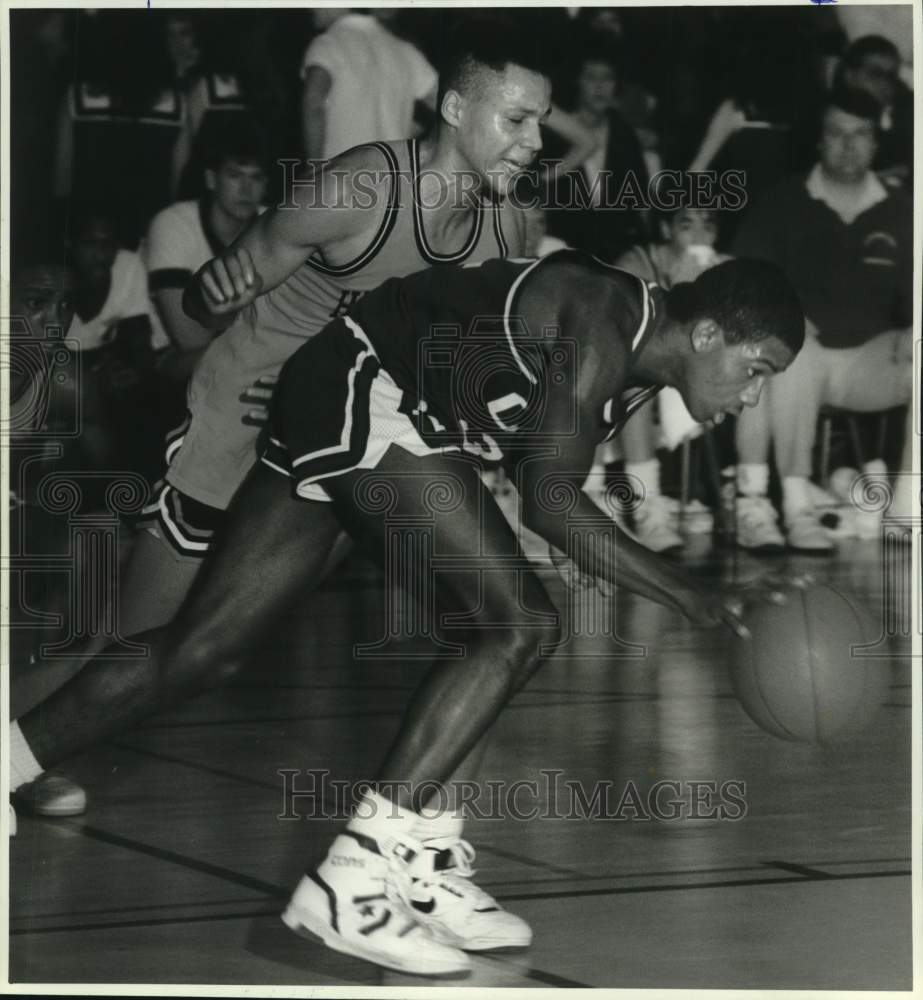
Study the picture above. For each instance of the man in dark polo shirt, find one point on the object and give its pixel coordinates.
(844, 240)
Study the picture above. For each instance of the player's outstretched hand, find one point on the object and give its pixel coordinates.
(229, 283)
(728, 606)
(257, 397)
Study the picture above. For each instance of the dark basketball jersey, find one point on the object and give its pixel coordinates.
(472, 371)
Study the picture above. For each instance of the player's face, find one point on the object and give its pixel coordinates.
(596, 87)
(847, 146)
(498, 130)
(238, 188)
(94, 252)
(724, 378)
(44, 297)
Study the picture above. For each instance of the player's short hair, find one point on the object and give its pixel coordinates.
(487, 41)
(868, 45)
(749, 299)
(233, 136)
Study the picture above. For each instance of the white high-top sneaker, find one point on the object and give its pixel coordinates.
(446, 901)
(355, 902)
(349, 904)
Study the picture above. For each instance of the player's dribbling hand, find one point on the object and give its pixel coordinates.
(229, 282)
(710, 608)
(729, 606)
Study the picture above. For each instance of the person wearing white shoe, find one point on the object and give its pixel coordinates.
(845, 242)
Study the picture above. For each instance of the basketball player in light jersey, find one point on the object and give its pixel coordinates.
(378, 211)
(534, 361)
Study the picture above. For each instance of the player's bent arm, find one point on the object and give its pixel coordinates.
(598, 366)
(339, 203)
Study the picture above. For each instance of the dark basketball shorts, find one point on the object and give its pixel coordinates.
(187, 524)
(336, 410)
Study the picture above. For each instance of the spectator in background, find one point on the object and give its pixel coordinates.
(42, 305)
(845, 243)
(587, 212)
(361, 82)
(119, 121)
(187, 234)
(872, 64)
(117, 336)
(181, 38)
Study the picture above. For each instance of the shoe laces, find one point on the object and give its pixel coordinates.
(456, 871)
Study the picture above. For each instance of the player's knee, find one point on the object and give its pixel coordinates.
(529, 645)
(202, 660)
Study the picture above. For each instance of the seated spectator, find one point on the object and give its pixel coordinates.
(872, 64)
(41, 301)
(686, 249)
(361, 82)
(189, 233)
(116, 335)
(844, 241)
(588, 213)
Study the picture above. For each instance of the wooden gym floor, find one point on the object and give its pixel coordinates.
(178, 871)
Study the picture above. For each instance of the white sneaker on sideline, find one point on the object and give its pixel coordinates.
(349, 903)
(653, 524)
(804, 533)
(452, 908)
(758, 525)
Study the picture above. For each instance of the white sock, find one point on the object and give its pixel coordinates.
(381, 819)
(23, 765)
(433, 823)
(648, 472)
(795, 496)
(753, 479)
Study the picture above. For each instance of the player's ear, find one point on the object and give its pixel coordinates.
(452, 108)
(706, 336)
(211, 179)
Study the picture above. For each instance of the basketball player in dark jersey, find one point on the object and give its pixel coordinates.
(525, 362)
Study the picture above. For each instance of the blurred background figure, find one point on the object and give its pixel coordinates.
(872, 64)
(599, 204)
(361, 82)
(117, 335)
(188, 233)
(844, 240)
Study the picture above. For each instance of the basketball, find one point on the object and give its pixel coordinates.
(800, 677)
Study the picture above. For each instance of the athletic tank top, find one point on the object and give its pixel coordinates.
(472, 372)
(318, 292)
